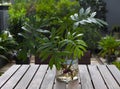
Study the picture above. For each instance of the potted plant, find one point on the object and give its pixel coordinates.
(109, 48)
(7, 45)
(65, 47)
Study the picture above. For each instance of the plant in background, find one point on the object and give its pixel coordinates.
(20, 13)
(109, 48)
(116, 31)
(93, 36)
(17, 17)
(117, 64)
(54, 13)
(91, 33)
(98, 6)
(7, 45)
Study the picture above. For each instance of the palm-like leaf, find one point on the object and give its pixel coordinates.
(74, 45)
(108, 46)
(86, 17)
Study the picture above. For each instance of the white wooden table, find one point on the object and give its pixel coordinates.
(41, 77)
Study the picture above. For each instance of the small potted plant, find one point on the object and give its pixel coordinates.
(64, 47)
(109, 48)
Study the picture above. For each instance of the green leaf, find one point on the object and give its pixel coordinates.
(81, 11)
(93, 14)
(25, 29)
(101, 21)
(43, 31)
(87, 11)
(3, 57)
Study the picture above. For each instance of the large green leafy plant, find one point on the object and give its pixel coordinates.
(68, 42)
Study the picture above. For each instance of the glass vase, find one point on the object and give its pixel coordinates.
(68, 72)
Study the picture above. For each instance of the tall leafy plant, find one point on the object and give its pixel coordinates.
(68, 42)
(17, 17)
(98, 6)
(91, 32)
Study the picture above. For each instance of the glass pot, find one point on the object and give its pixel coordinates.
(69, 71)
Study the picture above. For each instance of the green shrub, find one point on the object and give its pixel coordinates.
(117, 64)
(7, 45)
(108, 46)
(54, 13)
(17, 18)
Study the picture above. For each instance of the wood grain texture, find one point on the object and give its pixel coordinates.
(8, 74)
(41, 77)
(85, 79)
(115, 72)
(110, 81)
(73, 85)
(59, 85)
(10, 84)
(96, 77)
(38, 78)
(23, 83)
(49, 79)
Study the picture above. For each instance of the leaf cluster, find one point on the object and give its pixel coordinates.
(7, 44)
(109, 46)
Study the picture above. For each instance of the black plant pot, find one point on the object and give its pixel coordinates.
(21, 61)
(3, 62)
(27, 61)
(39, 60)
(110, 58)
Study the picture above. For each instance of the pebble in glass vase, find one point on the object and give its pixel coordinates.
(68, 71)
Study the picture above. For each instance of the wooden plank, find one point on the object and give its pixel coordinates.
(10, 84)
(110, 81)
(49, 79)
(8, 74)
(38, 78)
(23, 83)
(85, 79)
(115, 72)
(96, 77)
(73, 85)
(59, 85)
